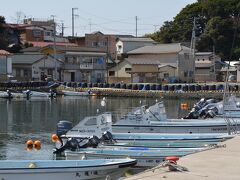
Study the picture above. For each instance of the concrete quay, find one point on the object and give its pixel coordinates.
(218, 163)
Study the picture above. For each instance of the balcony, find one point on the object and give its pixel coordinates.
(86, 66)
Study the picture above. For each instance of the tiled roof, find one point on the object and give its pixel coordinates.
(76, 49)
(44, 44)
(26, 58)
(142, 61)
(136, 39)
(159, 49)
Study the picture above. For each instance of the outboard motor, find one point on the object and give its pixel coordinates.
(28, 93)
(9, 94)
(210, 114)
(93, 141)
(193, 114)
(107, 136)
(71, 143)
(52, 93)
(210, 101)
(63, 127)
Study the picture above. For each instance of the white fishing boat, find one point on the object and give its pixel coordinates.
(154, 120)
(8, 94)
(29, 93)
(145, 158)
(64, 169)
(76, 93)
(92, 130)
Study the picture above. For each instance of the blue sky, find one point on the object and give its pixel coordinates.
(107, 16)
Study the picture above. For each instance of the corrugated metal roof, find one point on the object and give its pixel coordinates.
(159, 49)
(26, 58)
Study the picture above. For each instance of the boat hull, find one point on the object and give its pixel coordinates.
(190, 129)
(74, 172)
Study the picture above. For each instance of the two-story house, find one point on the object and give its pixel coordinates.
(126, 44)
(98, 40)
(36, 67)
(163, 62)
(207, 66)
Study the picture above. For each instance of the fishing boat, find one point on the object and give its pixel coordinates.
(8, 94)
(167, 144)
(153, 120)
(29, 93)
(92, 130)
(62, 170)
(76, 93)
(145, 158)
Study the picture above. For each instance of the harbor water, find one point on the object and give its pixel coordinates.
(36, 119)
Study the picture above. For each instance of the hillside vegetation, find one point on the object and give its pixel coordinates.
(216, 23)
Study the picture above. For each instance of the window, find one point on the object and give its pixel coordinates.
(185, 73)
(50, 72)
(94, 44)
(166, 75)
(128, 69)
(119, 47)
(25, 73)
(47, 33)
(18, 72)
(111, 73)
(36, 33)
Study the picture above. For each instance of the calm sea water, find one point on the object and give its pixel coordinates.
(36, 119)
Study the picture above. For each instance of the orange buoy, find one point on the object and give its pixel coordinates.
(37, 144)
(172, 159)
(29, 143)
(55, 138)
(184, 106)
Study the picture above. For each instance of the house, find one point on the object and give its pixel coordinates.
(232, 68)
(104, 42)
(120, 72)
(5, 65)
(36, 32)
(163, 62)
(80, 64)
(36, 67)
(126, 44)
(207, 67)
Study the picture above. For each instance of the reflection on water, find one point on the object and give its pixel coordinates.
(36, 119)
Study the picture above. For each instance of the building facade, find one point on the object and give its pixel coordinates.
(207, 67)
(5, 65)
(161, 63)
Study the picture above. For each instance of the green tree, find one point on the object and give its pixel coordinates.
(216, 20)
(3, 34)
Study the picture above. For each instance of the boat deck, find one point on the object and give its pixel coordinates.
(219, 163)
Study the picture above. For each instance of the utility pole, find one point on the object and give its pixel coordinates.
(193, 47)
(63, 29)
(54, 47)
(73, 16)
(136, 19)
